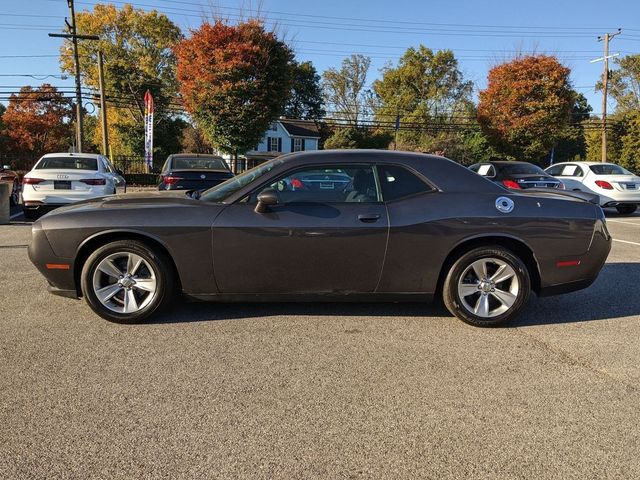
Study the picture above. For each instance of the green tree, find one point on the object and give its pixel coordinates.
(305, 99)
(624, 83)
(427, 91)
(137, 47)
(630, 143)
(234, 81)
(358, 137)
(571, 144)
(526, 106)
(345, 91)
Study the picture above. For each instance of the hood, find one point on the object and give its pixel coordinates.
(154, 199)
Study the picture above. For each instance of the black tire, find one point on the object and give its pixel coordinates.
(30, 214)
(14, 199)
(457, 307)
(157, 260)
(626, 209)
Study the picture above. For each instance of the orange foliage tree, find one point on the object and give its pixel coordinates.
(234, 80)
(526, 106)
(37, 121)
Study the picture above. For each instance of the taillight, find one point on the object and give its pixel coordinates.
(561, 186)
(170, 179)
(603, 184)
(511, 184)
(32, 181)
(94, 181)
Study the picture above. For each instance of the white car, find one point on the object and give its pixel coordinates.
(616, 186)
(62, 178)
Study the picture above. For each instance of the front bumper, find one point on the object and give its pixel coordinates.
(58, 271)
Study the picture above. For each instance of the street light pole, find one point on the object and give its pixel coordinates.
(605, 85)
(74, 38)
(103, 107)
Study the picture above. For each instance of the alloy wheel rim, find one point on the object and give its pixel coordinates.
(124, 282)
(488, 287)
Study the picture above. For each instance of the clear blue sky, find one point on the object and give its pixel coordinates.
(481, 33)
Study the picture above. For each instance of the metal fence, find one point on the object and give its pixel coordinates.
(127, 164)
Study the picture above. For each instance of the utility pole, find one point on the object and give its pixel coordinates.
(605, 85)
(103, 108)
(74, 38)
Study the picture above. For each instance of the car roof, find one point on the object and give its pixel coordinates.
(71, 155)
(508, 162)
(195, 155)
(584, 163)
(442, 172)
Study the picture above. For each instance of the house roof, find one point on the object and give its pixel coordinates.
(300, 128)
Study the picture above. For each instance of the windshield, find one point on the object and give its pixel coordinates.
(67, 163)
(609, 169)
(224, 189)
(198, 163)
(523, 169)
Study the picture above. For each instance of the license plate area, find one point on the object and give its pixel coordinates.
(631, 186)
(62, 184)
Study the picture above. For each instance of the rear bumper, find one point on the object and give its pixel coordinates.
(32, 198)
(613, 199)
(558, 277)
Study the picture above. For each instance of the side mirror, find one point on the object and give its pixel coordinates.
(266, 198)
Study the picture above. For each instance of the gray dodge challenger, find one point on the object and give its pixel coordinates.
(357, 225)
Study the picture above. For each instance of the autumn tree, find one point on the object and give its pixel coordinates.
(345, 89)
(138, 51)
(37, 121)
(234, 81)
(526, 106)
(305, 98)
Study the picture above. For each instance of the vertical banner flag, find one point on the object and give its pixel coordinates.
(148, 130)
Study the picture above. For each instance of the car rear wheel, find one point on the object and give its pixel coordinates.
(487, 286)
(127, 281)
(626, 209)
(30, 214)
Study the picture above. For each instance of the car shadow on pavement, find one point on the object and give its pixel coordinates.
(615, 294)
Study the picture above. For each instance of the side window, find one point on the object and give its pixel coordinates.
(398, 182)
(555, 171)
(330, 184)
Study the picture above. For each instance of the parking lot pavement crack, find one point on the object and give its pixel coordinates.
(564, 357)
(14, 246)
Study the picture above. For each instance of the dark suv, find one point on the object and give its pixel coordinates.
(516, 175)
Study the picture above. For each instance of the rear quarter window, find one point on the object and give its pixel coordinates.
(398, 182)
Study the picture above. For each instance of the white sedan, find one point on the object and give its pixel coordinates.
(616, 186)
(62, 178)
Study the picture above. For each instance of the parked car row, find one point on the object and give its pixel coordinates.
(613, 185)
(59, 179)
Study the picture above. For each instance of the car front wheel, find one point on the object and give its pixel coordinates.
(127, 281)
(487, 286)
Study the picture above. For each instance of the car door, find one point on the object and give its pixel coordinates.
(326, 234)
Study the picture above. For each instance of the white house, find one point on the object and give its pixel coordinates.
(287, 135)
(284, 136)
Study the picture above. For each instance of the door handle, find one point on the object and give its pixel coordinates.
(369, 218)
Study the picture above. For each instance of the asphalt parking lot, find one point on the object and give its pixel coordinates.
(321, 391)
